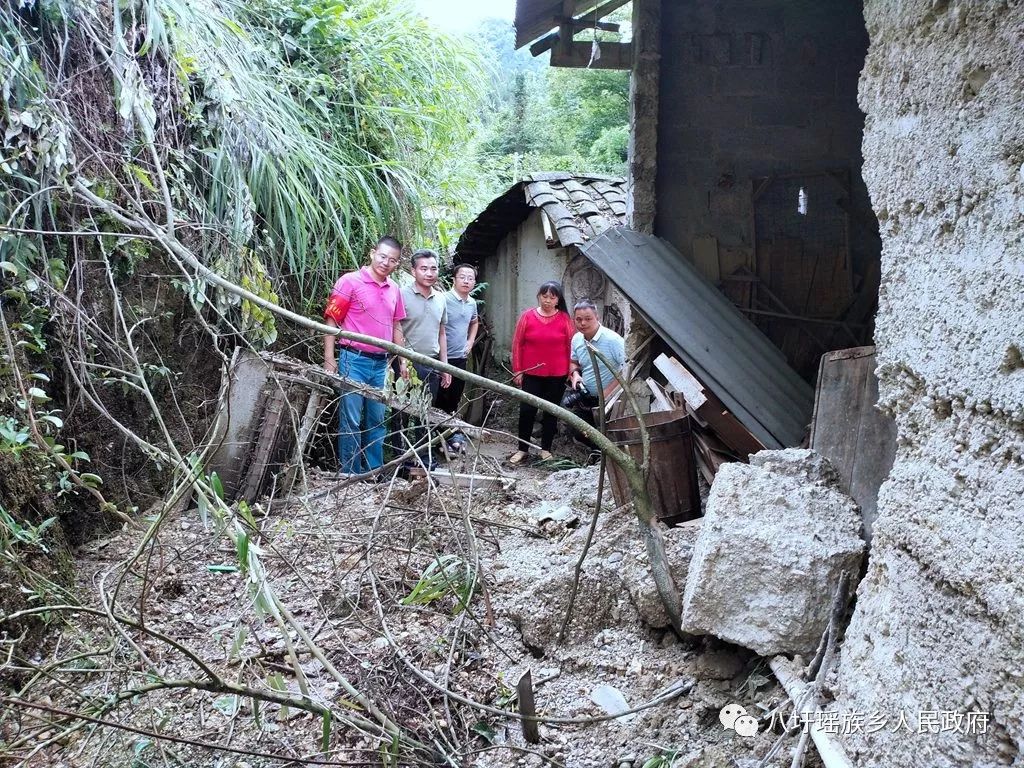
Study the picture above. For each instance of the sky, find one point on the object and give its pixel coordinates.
(463, 15)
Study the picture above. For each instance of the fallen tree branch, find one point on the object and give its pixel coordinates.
(176, 739)
(635, 474)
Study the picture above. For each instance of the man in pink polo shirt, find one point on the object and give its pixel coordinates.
(367, 302)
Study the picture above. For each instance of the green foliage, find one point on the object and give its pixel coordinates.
(446, 575)
(546, 119)
(331, 128)
(19, 532)
(609, 150)
(665, 758)
(297, 130)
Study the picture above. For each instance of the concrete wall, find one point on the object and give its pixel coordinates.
(752, 88)
(939, 623)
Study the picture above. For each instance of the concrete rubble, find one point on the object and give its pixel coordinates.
(776, 538)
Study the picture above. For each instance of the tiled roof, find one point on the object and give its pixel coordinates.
(579, 208)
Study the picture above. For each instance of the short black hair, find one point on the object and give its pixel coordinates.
(390, 242)
(584, 304)
(464, 265)
(422, 253)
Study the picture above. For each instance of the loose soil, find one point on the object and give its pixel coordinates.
(344, 557)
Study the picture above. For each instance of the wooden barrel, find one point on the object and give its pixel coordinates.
(672, 481)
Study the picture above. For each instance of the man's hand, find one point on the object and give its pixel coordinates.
(575, 380)
(446, 380)
(403, 368)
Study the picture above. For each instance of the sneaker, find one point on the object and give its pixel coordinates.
(518, 458)
(546, 455)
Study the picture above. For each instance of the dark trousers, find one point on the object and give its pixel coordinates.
(585, 410)
(549, 388)
(448, 399)
(403, 423)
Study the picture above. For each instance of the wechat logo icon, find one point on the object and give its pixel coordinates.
(735, 718)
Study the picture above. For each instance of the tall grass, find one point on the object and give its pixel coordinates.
(329, 121)
(298, 129)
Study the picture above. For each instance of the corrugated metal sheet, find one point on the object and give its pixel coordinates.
(579, 207)
(711, 337)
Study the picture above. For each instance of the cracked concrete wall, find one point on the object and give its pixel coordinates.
(939, 623)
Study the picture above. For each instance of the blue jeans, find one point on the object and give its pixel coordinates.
(360, 420)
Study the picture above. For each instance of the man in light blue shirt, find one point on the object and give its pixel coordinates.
(461, 325)
(582, 375)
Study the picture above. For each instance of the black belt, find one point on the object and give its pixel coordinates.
(364, 353)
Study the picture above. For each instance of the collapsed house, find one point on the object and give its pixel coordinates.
(533, 233)
(745, 158)
(745, 105)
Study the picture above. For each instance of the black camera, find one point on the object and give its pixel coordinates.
(572, 397)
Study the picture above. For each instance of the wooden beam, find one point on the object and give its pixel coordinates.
(544, 44)
(613, 56)
(711, 411)
(579, 25)
(681, 380)
(564, 46)
(661, 400)
(601, 11)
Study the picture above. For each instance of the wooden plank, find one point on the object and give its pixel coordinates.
(578, 55)
(661, 400)
(682, 380)
(266, 441)
(463, 480)
(306, 431)
(788, 277)
(711, 410)
(705, 257)
(528, 708)
(733, 260)
(849, 430)
(867, 294)
(612, 400)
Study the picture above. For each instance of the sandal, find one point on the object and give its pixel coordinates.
(546, 455)
(517, 458)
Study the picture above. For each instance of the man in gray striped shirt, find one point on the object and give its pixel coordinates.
(582, 375)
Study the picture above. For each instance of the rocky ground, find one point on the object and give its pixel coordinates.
(348, 560)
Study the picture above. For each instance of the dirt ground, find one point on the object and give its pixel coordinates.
(348, 560)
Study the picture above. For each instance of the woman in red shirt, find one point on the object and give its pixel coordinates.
(540, 364)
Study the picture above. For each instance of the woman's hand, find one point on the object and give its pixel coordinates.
(517, 379)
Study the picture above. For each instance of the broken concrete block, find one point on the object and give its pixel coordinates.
(776, 538)
(636, 572)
